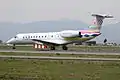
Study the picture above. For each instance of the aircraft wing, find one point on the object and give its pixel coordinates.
(46, 42)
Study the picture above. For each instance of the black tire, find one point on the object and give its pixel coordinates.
(65, 48)
(13, 46)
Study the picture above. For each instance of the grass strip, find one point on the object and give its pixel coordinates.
(17, 69)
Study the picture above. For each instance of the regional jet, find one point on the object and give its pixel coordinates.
(62, 38)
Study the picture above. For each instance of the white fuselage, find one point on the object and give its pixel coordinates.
(58, 38)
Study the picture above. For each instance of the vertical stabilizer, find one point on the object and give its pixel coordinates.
(98, 20)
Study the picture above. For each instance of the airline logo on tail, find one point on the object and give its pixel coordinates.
(98, 21)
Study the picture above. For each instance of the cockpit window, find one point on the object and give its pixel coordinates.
(15, 37)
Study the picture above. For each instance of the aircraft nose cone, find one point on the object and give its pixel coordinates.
(10, 41)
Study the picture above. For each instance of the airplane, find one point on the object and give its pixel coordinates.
(62, 38)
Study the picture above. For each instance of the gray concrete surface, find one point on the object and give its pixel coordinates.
(61, 52)
(60, 58)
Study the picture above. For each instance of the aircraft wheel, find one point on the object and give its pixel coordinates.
(52, 48)
(65, 48)
(13, 46)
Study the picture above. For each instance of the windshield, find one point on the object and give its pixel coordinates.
(15, 37)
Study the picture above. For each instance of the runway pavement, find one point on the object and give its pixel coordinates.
(60, 58)
(62, 52)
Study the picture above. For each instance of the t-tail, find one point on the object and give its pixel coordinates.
(98, 20)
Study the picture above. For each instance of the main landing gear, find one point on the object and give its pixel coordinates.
(13, 46)
(64, 47)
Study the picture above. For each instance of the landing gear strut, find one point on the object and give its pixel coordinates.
(13, 46)
(64, 47)
(52, 47)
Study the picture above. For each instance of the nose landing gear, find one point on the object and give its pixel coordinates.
(13, 46)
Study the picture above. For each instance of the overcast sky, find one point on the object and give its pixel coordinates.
(41, 10)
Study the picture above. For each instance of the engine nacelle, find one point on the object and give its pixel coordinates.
(70, 33)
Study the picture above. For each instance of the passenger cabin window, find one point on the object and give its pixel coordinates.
(28, 36)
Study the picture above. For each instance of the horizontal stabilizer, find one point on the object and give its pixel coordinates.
(103, 15)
